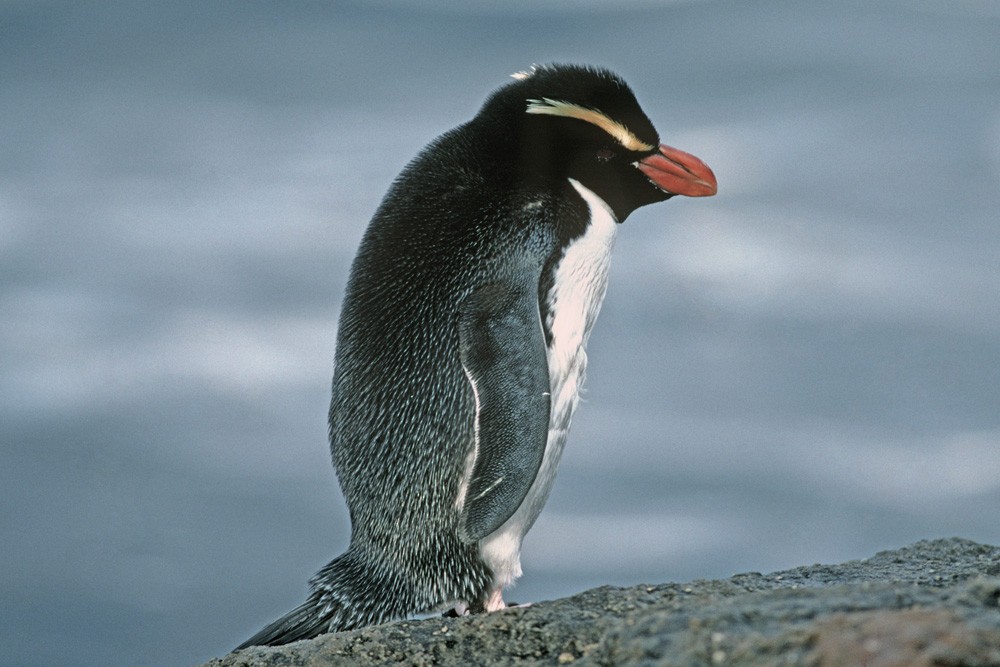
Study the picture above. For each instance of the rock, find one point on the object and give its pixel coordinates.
(933, 603)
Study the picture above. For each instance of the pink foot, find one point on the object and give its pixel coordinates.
(496, 603)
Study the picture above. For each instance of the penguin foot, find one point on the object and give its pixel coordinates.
(495, 603)
(460, 609)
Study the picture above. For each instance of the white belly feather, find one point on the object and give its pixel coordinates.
(581, 279)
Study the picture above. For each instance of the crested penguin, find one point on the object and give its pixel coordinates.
(461, 346)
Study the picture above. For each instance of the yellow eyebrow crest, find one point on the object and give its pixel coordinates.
(621, 134)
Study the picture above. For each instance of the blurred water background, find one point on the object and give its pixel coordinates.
(802, 369)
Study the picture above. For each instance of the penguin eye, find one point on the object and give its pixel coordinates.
(605, 154)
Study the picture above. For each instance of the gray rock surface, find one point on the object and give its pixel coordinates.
(933, 603)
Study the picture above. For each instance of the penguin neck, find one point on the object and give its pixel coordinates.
(579, 282)
(600, 213)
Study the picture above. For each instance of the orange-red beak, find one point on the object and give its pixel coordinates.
(679, 173)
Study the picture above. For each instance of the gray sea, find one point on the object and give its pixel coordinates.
(804, 368)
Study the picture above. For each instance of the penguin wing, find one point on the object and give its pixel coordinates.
(502, 350)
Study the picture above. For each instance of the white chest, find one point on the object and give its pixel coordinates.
(580, 282)
(581, 279)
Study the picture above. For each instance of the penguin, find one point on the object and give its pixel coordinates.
(461, 345)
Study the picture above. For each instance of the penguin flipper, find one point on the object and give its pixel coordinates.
(502, 349)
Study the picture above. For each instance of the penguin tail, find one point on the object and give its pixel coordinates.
(304, 622)
(346, 594)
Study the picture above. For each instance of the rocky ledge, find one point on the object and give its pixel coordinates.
(933, 603)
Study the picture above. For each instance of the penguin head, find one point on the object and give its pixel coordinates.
(569, 121)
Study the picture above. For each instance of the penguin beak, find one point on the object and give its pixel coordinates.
(678, 173)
